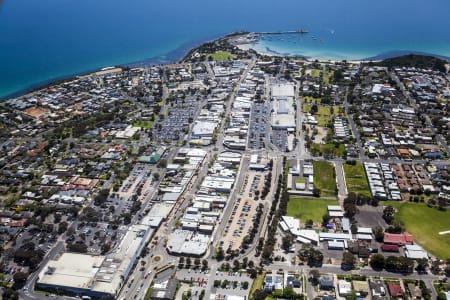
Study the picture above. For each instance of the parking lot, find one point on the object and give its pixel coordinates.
(176, 123)
(370, 216)
(259, 127)
(240, 222)
(280, 138)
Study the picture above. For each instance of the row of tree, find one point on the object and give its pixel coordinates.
(398, 264)
(280, 199)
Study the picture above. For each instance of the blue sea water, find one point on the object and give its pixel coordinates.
(44, 40)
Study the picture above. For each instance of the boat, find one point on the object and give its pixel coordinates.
(302, 31)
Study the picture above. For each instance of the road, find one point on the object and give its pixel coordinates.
(355, 132)
(27, 292)
(340, 182)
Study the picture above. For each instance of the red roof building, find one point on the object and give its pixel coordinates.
(389, 248)
(398, 239)
(395, 290)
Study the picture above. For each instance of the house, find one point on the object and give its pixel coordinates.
(296, 283)
(269, 285)
(395, 290)
(344, 287)
(377, 289)
(326, 283)
(398, 239)
(415, 291)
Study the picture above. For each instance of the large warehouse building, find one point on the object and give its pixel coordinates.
(283, 112)
(97, 276)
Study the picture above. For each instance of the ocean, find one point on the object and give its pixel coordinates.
(42, 41)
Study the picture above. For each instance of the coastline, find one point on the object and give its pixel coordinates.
(180, 53)
(173, 56)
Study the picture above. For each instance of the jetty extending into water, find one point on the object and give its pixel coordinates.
(284, 31)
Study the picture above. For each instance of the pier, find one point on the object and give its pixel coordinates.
(301, 31)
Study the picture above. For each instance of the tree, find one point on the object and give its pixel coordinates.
(442, 203)
(314, 276)
(236, 265)
(250, 264)
(181, 260)
(399, 264)
(422, 264)
(377, 262)
(244, 285)
(105, 248)
(259, 295)
(378, 232)
(316, 192)
(77, 247)
(202, 295)
(325, 219)
(197, 261)
(447, 268)
(220, 254)
(162, 163)
(286, 242)
(62, 227)
(188, 261)
(388, 214)
(156, 176)
(205, 264)
(348, 261)
(10, 294)
(20, 278)
(350, 206)
(310, 255)
(309, 223)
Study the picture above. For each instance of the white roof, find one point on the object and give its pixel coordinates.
(365, 230)
(334, 208)
(336, 214)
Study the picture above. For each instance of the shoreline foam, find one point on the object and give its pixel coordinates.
(179, 54)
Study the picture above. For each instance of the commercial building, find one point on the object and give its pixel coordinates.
(283, 112)
(203, 129)
(96, 276)
(189, 243)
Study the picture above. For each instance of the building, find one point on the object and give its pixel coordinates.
(398, 239)
(188, 243)
(395, 290)
(283, 112)
(326, 283)
(96, 276)
(344, 287)
(415, 252)
(165, 290)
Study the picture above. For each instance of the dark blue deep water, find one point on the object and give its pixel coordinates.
(44, 40)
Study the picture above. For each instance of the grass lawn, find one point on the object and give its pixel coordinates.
(324, 114)
(441, 286)
(315, 72)
(148, 294)
(257, 285)
(425, 223)
(356, 180)
(221, 55)
(328, 75)
(323, 149)
(143, 124)
(308, 208)
(310, 99)
(300, 180)
(324, 178)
